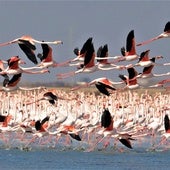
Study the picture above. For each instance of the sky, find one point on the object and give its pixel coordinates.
(74, 21)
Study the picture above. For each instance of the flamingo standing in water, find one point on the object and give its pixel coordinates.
(27, 45)
(165, 34)
(14, 68)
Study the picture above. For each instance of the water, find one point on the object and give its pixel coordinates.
(14, 159)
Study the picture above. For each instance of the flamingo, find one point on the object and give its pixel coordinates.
(14, 68)
(47, 58)
(41, 128)
(161, 83)
(165, 34)
(167, 124)
(50, 97)
(166, 135)
(148, 66)
(102, 84)
(131, 80)
(88, 66)
(102, 59)
(107, 123)
(27, 45)
(129, 54)
(79, 60)
(41, 125)
(5, 119)
(145, 61)
(11, 84)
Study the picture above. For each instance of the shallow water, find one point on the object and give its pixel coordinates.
(15, 159)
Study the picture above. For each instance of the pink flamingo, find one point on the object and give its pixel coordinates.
(12, 84)
(161, 83)
(102, 59)
(27, 45)
(88, 66)
(109, 131)
(165, 34)
(148, 65)
(145, 61)
(47, 58)
(79, 60)
(102, 84)
(14, 68)
(129, 54)
(131, 79)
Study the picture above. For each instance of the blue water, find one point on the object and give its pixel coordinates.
(14, 159)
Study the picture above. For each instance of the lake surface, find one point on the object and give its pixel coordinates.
(48, 158)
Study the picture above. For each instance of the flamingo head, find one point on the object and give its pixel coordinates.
(58, 42)
(14, 59)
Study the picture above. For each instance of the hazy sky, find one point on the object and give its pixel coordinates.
(74, 22)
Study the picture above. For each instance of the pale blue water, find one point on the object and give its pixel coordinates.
(15, 159)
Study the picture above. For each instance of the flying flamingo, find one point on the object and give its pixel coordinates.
(148, 66)
(131, 79)
(79, 60)
(102, 84)
(5, 120)
(145, 61)
(27, 45)
(165, 34)
(109, 131)
(12, 84)
(129, 54)
(14, 68)
(167, 124)
(161, 83)
(102, 59)
(47, 58)
(88, 66)
(50, 97)
(166, 135)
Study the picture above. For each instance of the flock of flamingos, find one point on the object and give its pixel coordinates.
(117, 116)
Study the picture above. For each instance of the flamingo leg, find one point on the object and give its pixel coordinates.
(94, 146)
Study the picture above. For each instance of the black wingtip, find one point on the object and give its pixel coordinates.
(126, 143)
(75, 136)
(106, 118)
(123, 51)
(166, 123)
(167, 26)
